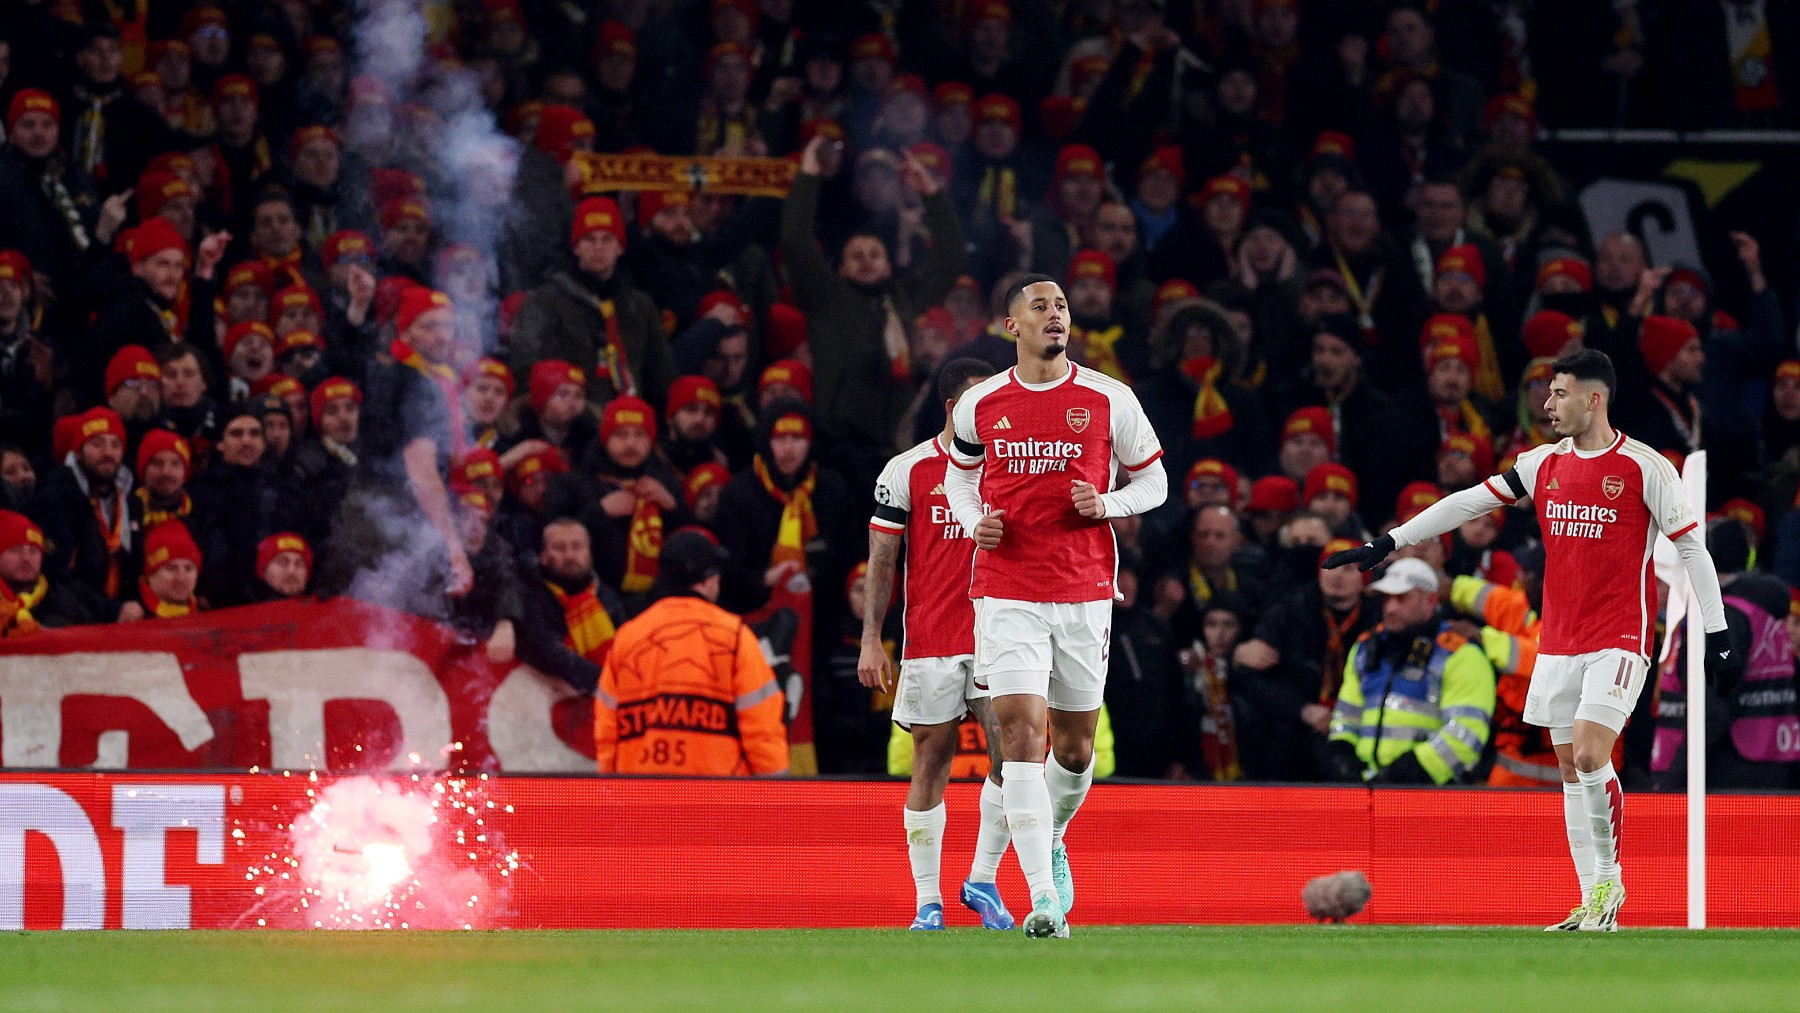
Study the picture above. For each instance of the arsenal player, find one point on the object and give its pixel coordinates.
(1039, 444)
(1600, 498)
(937, 658)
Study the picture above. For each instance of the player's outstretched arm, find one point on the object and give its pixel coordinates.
(873, 668)
(1446, 514)
(1722, 658)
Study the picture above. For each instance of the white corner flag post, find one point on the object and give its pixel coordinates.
(1693, 481)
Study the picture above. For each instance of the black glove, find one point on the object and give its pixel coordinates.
(1724, 662)
(1367, 556)
(1341, 763)
(1405, 770)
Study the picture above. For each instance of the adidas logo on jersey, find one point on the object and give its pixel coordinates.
(1004, 423)
(939, 491)
(1553, 485)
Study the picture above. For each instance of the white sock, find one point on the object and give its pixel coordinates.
(1581, 835)
(925, 849)
(1067, 789)
(993, 836)
(1605, 803)
(1028, 816)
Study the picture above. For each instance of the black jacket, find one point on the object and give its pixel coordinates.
(234, 509)
(76, 545)
(578, 492)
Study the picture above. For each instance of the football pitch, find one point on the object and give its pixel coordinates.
(1113, 968)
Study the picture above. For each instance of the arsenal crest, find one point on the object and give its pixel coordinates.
(1612, 486)
(1078, 419)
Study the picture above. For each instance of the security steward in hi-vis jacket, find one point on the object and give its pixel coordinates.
(686, 689)
(1418, 699)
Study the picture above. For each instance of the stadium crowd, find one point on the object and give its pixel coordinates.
(1319, 239)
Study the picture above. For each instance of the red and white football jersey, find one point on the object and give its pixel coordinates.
(1034, 441)
(1599, 512)
(909, 501)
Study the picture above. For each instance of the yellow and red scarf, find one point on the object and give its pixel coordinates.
(1212, 416)
(114, 534)
(798, 524)
(1487, 377)
(152, 516)
(16, 619)
(286, 269)
(643, 545)
(1101, 351)
(159, 609)
(590, 628)
(612, 357)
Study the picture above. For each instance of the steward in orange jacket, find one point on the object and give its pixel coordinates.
(1523, 754)
(685, 689)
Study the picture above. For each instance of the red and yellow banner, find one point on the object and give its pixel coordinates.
(749, 177)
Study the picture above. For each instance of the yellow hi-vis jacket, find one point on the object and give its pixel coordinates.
(1435, 702)
(971, 759)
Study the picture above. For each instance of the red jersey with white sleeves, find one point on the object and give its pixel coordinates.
(1036, 440)
(1599, 512)
(909, 501)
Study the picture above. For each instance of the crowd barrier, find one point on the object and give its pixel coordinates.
(141, 850)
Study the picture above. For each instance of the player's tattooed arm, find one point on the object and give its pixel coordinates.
(873, 667)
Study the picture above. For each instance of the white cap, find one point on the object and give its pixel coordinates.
(1405, 575)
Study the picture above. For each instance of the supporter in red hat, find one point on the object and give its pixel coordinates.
(1549, 334)
(171, 572)
(487, 385)
(248, 290)
(1668, 342)
(163, 466)
(159, 257)
(336, 404)
(702, 488)
(342, 250)
(1750, 515)
(528, 480)
(691, 439)
(1450, 341)
(296, 308)
(29, 103)
(788, 378)
(1211, 481)
(723, 306)
(786, 331)
(627, 413)
(283, 566)
(668, 213)
(1564, 275)
(1463, 460)
(871, 64)
(134, 387)
(166, 195)
(1308, 439)
(1675, 358)
(1511, 119)
(1272, 499)
(1160, 181)
(28, 601)
(480, 468)
(406, 231)
(1330, 492)
(561, 131)
(1413, 500)
(1171, 295)
(1461, 266)
(249, 352)
(953, 114)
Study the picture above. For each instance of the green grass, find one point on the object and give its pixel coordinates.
(1377, 970)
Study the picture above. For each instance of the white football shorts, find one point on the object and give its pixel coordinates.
(934, 691)
(1056, 650)
(1601, 686)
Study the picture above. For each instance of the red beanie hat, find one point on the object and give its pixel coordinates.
(476, 465)
(168, 542)
(1445, 327)
(1567, 267)
(1464, 259)
(1094, 264)
(1311, 420)
(1273, 494)
(403, 209)
(597, 214)
(64, 435)
(720, 297)
(151, 238)
(275, 545)
(98, 421)
(250, 272)
(239, 332)
(1548, 332)
(346, 244)
(294, 297)
(691, 389)
(157, 441)
(549, 461)
(1478, 448)
(155, 189)
(329, 390)
(1003, 108)
(15, 267)
(627, 411)
(1226, 186)
(234, 86)
(1663, 338)
(1746, 512)
(133, 362)
(16, 529)
(792, 424)
(1330, 477)
(416, 301)
(558, 128)
(787, 329)
(1455, 346)
(872, 46)
(1218, 469)
(1167, 159)
(793, 372)
(279, 384)
(704, 475)
(31, 100)
(1078, 160)
(1414, 498)
(650, 203)
(489, 366)
(549, 376)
